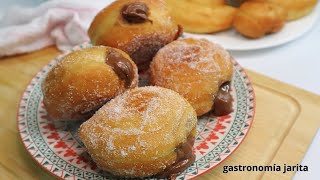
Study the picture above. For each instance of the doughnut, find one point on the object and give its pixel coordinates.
(196, 69)
(202, 17)
(138, 27)
(84, 80)
(146, 131)
(296, 8)
(255, 19)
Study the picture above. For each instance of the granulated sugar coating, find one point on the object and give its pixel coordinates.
(135, 134)
(193, 68)
(140, 40)
(81, 82)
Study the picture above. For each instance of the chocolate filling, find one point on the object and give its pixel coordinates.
(147, 49)
(179, 32)
(136, 12)
(185, 158)
(121, 66)
(223, 102)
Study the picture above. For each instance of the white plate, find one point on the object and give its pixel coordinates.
(232, 40)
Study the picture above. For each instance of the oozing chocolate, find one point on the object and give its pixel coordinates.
(121, 66)
(185, 158)
(179, 33)
(223, 102)
(136, 12)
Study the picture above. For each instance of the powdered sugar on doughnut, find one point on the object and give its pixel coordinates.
(199, 55)
(141, 125)
(80, 83)
(193, 68)
(141, 104)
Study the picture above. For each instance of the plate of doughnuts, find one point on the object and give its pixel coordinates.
(246, 24)
(55, 145)
(136, 102)
(232, 40)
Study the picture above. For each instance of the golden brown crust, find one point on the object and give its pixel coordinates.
(81, 82)
(202, 18)
(140, 40)
(296, 8)
(256, 19)
(135, 134)
(193, 68)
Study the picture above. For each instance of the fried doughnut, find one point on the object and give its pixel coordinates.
(255, 19)
(138, 27)
(296, 8)
(201, 18)
(147, 131)
(195, 69)
(84, 80)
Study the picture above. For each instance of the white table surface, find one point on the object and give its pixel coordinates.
(296, 63)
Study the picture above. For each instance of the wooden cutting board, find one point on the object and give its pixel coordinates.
(286, 121)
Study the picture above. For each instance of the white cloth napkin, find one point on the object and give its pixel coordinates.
(61, 22)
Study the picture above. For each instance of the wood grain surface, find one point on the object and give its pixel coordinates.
(286, 121)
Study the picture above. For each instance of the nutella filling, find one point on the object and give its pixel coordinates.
(223, 102)
(121, 66)
(136, 12)
(179, 32)
(185, 158)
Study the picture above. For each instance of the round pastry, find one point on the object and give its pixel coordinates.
(196, 69)
(202, 17)
(256, 19)
(296, 8)
(147, 131)
(84, 80)
(138, 27)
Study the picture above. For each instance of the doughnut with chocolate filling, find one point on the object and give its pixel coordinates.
(138, 27)
(195, 69)
(84, 80)
(147, 131)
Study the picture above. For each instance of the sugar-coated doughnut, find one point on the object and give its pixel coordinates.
(84, 80)
(195, 69)
(147, 131)
(138, 27)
